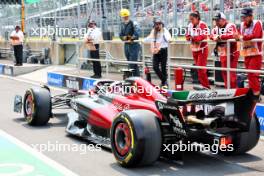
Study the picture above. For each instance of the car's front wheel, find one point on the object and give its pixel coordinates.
(37, 106)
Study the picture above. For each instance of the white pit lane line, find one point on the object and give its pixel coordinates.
(38, 155)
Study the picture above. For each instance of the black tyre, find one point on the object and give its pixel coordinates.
(37, 106)
(136, 138)
(246, 141)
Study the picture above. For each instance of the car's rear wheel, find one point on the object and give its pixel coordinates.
(136, 138)
(37, 106)
(246, 141)
(243, 141)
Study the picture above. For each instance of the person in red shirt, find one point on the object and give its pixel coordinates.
(225, 30)
(197, 33)
(252, 51)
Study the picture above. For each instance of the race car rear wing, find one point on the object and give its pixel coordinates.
(206, 96)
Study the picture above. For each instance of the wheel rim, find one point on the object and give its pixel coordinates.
(29, 107)
(122, 139)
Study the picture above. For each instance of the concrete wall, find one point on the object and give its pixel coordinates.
(59, 50)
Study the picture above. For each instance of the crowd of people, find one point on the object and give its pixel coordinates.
(197, 35)
(251, 51)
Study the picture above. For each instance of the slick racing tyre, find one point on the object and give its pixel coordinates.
(136, 138)
(246, 141)
(37, 106)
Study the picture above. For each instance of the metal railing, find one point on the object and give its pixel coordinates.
(171, 66)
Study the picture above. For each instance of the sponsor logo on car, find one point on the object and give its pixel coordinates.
(210, 95)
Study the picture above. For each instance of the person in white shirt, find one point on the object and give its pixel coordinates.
(92, 39)
(160, 38)
(17, 38)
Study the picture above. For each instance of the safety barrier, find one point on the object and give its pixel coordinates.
(109, 59)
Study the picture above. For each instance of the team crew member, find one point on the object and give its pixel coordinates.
(92, 39)
(130, 31)
(224, 31)
(17, 38)
(197, 33)
(160, 37)
(252, 51)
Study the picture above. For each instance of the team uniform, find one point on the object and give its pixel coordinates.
(227, 33)
(252, 51)
(199, 49)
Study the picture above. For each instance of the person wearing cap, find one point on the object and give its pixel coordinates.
(223, 31)
(252, 51)
(160, 38)
(196, 34)
(17, 38)
(130, 31)
(92, 39)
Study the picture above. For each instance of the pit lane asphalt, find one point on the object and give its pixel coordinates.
(103, 163)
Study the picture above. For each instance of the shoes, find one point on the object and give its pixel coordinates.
(96, 76)
(18, 65)
(164, 85)
(200, 87)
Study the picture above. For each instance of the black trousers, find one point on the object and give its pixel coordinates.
(160, 64)
(96, 64)
(18, 52)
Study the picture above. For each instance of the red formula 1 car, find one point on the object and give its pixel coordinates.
(139, 123)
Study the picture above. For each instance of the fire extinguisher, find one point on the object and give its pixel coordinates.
(179, 78)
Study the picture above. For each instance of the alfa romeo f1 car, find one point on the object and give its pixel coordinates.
(136, 120)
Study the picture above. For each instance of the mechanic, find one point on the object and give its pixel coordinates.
(252, 51)
(130, 31)
(160, 38)
(92, 39)
(197, 32)
(17, 38)
(225, 30)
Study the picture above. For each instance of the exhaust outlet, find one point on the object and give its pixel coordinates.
(210, 123)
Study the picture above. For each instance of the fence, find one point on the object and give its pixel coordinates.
(171, 65)
(58, 14)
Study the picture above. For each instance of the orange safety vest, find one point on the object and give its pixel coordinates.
(249, 48)
(222, 50)
(195, 46)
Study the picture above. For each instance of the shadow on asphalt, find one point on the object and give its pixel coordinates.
(193, 161)
(244, 158)
(59, 120)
